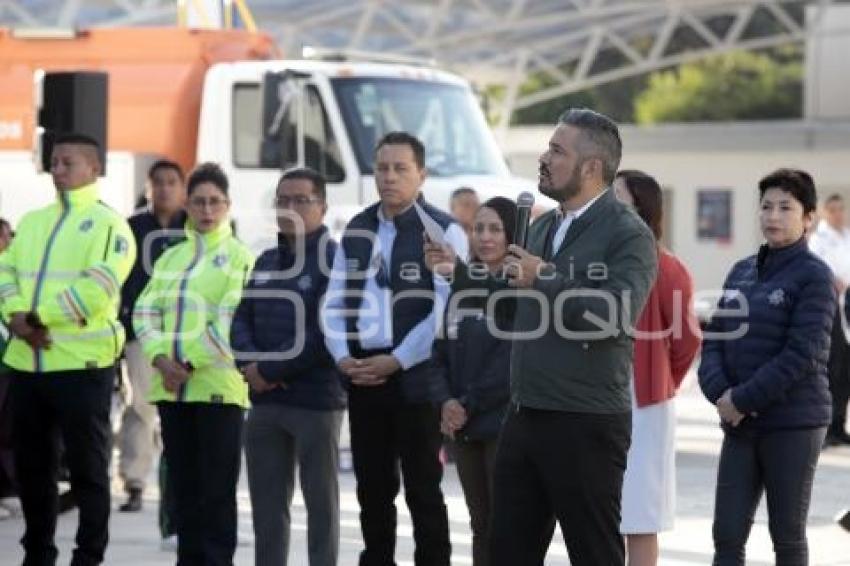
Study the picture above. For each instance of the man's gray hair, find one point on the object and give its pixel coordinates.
(599, 138)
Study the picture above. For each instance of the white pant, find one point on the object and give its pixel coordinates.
(136, 438)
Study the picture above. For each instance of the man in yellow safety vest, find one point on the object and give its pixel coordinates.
(60, 284)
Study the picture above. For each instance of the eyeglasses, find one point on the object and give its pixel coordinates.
(297, 201)
(214, 203)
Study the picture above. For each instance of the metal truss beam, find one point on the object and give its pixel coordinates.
(572, 43)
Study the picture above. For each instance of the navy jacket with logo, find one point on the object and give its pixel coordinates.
(274, 324)
(776, 367)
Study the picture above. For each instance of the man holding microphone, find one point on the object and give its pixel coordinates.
(582, 281)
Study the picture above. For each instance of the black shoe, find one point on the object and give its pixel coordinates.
(134, 501)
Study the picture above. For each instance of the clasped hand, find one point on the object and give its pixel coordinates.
(256, 381)
(727, 410)
(36, 335)
(453, 418)
(371, 371)
(174, 374)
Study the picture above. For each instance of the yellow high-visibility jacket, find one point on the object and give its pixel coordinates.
(67, 263)
(185, 312)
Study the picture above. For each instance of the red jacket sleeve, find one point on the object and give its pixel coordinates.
(676, 289)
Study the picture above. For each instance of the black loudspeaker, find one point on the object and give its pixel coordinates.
(73, 103)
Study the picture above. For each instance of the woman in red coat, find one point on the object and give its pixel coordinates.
(667, 339)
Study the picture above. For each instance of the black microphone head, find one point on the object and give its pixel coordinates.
(525, 200)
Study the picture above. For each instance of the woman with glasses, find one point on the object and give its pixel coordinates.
(475, 365)
(183, 320)
(764, 367)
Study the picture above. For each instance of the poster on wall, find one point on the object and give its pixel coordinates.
(714, 215)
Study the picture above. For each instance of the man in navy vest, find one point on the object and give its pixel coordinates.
(380, 318)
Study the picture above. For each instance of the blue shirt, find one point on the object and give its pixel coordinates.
(374, 320)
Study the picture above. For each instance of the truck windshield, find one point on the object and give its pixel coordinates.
(445, 117)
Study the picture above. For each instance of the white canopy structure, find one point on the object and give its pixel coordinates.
(573, 44)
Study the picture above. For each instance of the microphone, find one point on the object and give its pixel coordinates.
(524, 202)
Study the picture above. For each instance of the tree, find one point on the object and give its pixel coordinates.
(612, 99)
(739, 85)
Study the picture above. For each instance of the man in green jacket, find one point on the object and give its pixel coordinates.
(60, 283)
(582, 281)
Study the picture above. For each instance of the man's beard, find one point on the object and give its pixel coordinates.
(565, 193)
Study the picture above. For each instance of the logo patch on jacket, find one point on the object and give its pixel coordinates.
(776, 298)
(219, 260)
(122, 246)
(86, 225)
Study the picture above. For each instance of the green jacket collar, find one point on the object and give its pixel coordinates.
(212, 238)
(85, 196)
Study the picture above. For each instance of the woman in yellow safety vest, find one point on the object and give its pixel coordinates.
(183, 319)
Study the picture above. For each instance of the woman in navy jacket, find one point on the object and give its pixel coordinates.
(475, 364)
(764, 366)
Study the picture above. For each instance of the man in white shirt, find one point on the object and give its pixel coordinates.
(380, 316)
(464, 205)
(831, 242)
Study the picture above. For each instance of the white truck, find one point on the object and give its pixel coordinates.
(219, 95)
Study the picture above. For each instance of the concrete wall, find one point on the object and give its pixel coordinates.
(827, 88)
(688, 158)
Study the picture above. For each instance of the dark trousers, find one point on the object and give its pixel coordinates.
(202, 445)
(781, 464)
(475, 462)
(75, 405)
(838, 369)
(8, 485)
(384, 432)
(166, 501)
(554, 465)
